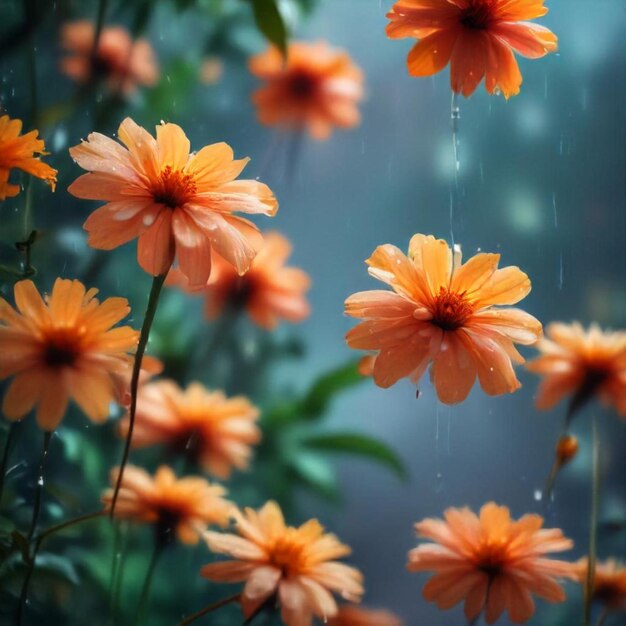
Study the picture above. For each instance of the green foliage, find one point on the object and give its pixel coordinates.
(270, 22)
(358, 445)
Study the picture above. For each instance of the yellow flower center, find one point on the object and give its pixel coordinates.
(451, 310)
(287, 553)
(173, 188)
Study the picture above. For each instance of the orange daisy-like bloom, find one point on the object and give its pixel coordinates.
(218, 432)
(60, 348)
(477, 37)
(268, 291)
(178, 204)
(317, 88)
(297, 566)
(122, 63)
(18, 152)
(609, 585)
(354, 616)
(582, 364)
(443, 312)
(186, 506)
(491, 562)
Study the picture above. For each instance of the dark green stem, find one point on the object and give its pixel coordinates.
(8, 444)
(147, 583)
(102, 10)
(153, 301)
(118, 577)
(593, 530)
(33, 527)
(603, 617)
(63, 525)
(209, 609)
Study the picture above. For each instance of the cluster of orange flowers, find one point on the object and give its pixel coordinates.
(183, 209)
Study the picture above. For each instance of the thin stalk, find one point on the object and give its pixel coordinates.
(593, 530)
(33, 527)
(209, 609)
(8, 444)
(603, 617)
(455, 194)
(119, 578)
(47, 437)
(102, 10)
(153, 301)
(147, 583)
(33, 557)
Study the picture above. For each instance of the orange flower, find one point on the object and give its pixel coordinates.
(317, 88)
(477, 38)
(186, 506)
(18, 152)
(582, 364)
(60, 348)
(217, 430)
(177, 204)
(443, 312)
(492, 562)
(269, 291)
(295, 565)
(122, 63)
(609, 585)
(355, 616)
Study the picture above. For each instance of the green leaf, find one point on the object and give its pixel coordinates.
(317, 400)
(58, 565)
(359, 445)
(21, 543)
(270, 22)
(313, 471)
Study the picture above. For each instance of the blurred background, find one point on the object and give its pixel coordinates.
(542, 181)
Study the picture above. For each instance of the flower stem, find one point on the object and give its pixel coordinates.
(147, 583)
(593, 530)
(33, 527)
(603, 617)
(102, 10)
(153, 301)
(209, 609)
(8, 444)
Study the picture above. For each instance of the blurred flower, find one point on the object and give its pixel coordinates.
(61, 348)
(582, 364)
(609, 585)
(150, 366)
(18, 152)
(211, 70)
(492, 562)
(443, 312)
(217, 431)
(122, 63)
(477, 38)
(354, 616)
(269, 291)
(317, 88)
(296, 566)
(177, 204)
(186, 506)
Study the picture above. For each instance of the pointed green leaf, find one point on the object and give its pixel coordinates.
(317, 400)
(270, 22)
(359, 445)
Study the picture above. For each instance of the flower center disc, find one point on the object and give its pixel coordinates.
(61, 351)
(302, 85)
(478, 15)
(173, 188)
(451, 310)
